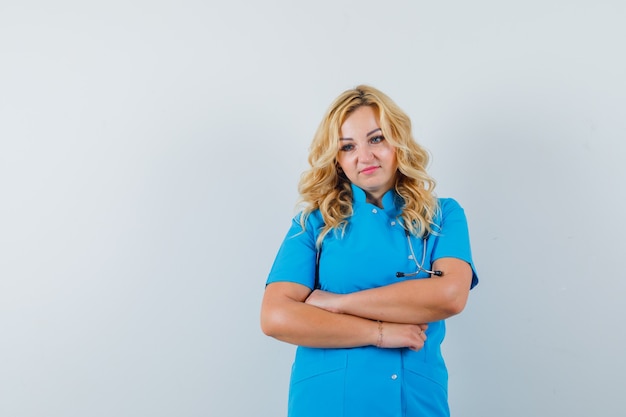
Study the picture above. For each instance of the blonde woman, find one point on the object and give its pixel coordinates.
(369, 270)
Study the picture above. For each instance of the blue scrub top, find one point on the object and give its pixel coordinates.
(370, 381)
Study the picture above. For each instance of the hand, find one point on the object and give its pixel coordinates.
(325, 300)
(398, 335)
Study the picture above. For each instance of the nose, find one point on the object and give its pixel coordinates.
(365, 154)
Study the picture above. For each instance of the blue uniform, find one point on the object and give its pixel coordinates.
(370, 381)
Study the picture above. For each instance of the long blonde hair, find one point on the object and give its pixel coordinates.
(325, 188)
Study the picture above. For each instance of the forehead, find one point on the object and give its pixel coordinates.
(360, 122)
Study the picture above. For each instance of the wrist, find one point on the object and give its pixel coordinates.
(379, 334)
(340, 303)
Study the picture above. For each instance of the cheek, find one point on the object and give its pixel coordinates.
(343, 162)
(390, 155)
(347, 166)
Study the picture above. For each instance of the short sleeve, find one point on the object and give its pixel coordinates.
(452, 239)
(295, 260)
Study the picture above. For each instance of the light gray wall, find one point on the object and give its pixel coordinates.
(149, 157)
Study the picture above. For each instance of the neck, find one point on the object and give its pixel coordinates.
(375, 200)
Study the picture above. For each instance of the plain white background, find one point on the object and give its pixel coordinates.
(149, 158)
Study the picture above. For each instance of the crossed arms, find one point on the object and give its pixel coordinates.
(292, 313)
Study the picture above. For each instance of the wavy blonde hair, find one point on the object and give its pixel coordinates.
(326, 188)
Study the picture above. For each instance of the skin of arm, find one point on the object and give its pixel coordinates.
(286, 317)
(411, 301)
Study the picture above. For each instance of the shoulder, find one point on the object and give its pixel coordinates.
(447, 203)
(448, 206)
(313, 219)
(313, 223)
(449, 213)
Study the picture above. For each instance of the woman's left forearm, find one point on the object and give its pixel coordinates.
(413, 301)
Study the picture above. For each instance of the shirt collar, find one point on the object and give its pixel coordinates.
(392, 202)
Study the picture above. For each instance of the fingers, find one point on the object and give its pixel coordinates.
(421, 338)
(422, 332)
(418, 338)
(422, 335)
(396, 335)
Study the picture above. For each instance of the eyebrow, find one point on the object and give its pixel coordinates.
(368, 134)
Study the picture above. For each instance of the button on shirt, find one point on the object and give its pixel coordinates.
(369, 381)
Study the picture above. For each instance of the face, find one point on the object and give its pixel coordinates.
(366, 158)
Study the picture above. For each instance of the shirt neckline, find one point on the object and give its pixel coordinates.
(391, 201)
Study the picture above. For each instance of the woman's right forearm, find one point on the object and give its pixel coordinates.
(286, 317)
(301, 324)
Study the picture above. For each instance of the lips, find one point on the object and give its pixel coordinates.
(369, 170)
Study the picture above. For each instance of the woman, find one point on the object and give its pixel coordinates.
(394, 262)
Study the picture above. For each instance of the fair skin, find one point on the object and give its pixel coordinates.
(292, 313)
(367, 159)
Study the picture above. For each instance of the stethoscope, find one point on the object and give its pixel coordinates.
(420, 266)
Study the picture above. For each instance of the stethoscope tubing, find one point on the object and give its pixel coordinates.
(420, 265)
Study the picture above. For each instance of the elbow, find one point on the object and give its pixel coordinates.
(272, 323)
(279, 311)
(454, 301)
(456, 307)
(267, 324)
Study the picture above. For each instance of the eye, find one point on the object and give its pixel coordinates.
(377, 139)
(347, 147)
